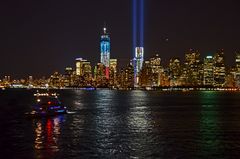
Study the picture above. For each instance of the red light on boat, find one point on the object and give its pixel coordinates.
(49, 103)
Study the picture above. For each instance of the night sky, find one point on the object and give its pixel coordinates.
(40, 37)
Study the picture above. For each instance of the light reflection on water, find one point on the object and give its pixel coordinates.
(128, 124)
(140, 125)
(139, 112)
(47, 133)
(106, 122)
(209, 125)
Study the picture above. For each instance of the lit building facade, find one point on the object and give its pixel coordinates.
(208, 78)
(164, 78)
(100, 76)
(230, 79)
(238, 61)
(219, 69)
(68, 77)
(193, 68)
(83, 72)
(56, 80)
(155, 63)
(174, 72)
(83, 67)
(151, 72)
(146, 75)
(113, 72)
(237, 75)
(79, 66)
(105, 51)
(126, 77)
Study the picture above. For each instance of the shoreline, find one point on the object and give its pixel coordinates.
(162, 89)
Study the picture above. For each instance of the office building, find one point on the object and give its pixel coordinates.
(208, 67)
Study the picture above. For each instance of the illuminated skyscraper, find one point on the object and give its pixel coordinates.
(68, 80)
(100, 76)
(126, 79)
(238, 61)
(193, 68)
(138, 63)
(145, 75)
(83, 69)
(79, 66)
(237, 78)
(113, 72)
(138, 38)
(87, 71)
(155, 63)
(105, 51)
(208, 79)
(219, 69)
(175, 71)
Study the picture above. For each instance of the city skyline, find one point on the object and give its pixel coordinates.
(193, 73)
(44, 43)
(119, 79)
(75, 66)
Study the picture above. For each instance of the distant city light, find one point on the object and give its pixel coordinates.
(209, 57)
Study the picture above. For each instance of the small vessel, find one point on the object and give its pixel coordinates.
(47, 104)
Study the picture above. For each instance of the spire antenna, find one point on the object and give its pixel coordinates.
(105, 28)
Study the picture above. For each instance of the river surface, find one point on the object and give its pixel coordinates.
(123, 124)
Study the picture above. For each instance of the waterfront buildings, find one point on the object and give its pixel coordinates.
(6, 81)
(194, 72)
(56, 80)
(209, 72)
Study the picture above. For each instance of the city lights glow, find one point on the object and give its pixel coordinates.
(209, 57)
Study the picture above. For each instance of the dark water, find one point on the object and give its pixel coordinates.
(123, 124)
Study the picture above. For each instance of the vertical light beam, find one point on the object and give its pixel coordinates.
(134, 25)
(138, 38)
(141, 14)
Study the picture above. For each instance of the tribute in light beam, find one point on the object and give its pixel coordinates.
(141, 23)
(134, 25)
(138, 38)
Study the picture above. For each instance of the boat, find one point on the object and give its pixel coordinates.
(47, 104)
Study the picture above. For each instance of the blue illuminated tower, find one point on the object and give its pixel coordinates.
(138, 38)
(105, 51)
